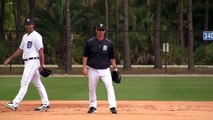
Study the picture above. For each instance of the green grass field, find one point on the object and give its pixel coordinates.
(131, 88)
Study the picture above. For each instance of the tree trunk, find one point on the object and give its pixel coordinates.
(68, 65)
(2, 20)
(148, 34)
(157, 62)
(116, 15)
(148, 2)
(190, 36)
(90, 5)
(32, 9)
(116, 24)
(180, 35)
(17, 15)
(127, 60)
(107, 17)
(206, 21)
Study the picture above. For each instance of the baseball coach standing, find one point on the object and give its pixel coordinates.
(98, 55)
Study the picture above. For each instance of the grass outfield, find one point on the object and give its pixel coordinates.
(131, 88)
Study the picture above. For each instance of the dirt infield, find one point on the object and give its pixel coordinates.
(127, 110)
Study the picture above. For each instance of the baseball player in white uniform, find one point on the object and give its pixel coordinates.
(32, 52)
(97, 57)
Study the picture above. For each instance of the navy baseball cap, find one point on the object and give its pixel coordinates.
(100, 26)
(29, 21)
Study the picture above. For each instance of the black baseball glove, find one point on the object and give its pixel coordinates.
(116, 77)
(45, 72)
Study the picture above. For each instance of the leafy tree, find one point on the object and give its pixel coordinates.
(203, 55)
(51, 26)
(50, 22)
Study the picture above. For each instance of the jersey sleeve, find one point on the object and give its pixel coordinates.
(22, 44)
(38, 42)
(86, 50)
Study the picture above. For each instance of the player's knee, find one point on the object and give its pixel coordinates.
(109, 85)
(38, 85)
(24, 84)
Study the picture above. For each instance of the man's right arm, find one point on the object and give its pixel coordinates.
(17, 53)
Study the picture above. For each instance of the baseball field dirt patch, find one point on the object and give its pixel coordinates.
(127, 110)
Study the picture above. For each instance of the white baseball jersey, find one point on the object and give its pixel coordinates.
(31, 44)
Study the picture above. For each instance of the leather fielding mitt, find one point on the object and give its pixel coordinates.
(116, 77)
(45, 72)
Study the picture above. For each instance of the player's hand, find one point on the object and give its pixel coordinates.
(85, 71)
(7, 61)
(41, 67)
(114, 68)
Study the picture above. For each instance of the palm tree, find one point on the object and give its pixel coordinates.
(68, 65)
(89, 3)
(127, 60)
(190, 36)
(157, 62)
(88, 8)
(84, 15)
(51, 25)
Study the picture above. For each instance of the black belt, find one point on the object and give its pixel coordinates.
(32, 58)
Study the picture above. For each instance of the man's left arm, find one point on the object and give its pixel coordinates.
(112, 58)
(113, 63)
(41, 57)
(40, 48)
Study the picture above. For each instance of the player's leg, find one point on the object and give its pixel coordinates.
(42, 92)
(93, 81)
(40, 87)
(28, 73)
(107, 79)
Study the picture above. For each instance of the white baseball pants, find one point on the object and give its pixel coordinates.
(31, 73)
(94, 75)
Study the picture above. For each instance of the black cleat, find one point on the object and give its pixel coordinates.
(92, 110)
(113, 110)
